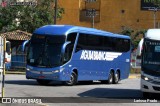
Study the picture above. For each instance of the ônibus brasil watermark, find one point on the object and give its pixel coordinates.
(6, 3)
(22, 3)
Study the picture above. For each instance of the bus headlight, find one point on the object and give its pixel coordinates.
(29, 68)
(145, 78)
(56, 71)
(61, 69)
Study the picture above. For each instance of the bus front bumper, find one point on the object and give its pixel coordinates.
(57, 73)
(42, 75)
(151, 86)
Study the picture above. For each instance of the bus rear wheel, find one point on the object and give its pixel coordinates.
(43, 82)
(116, 78)
(110, 78)
(73, 80)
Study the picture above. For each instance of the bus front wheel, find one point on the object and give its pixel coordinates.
(73, 79)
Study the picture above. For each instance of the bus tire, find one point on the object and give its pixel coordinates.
(73, 80)
(110, 78)
(116, 78)
(43, 82)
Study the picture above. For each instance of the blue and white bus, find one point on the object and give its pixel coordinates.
(72, 53)
(150, 67)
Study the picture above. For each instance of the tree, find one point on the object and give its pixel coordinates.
(7, 18)
(135, 35)
(127, 31)
(28, 18)
(156, 3)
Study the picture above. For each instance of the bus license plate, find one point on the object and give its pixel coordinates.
(157, 78)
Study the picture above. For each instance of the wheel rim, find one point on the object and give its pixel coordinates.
(72, 79)
(110, 78)
(116, 77)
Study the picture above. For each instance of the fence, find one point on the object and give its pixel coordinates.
(135, 60)
(18, 61)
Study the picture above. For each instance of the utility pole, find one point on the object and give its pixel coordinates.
(93, 21)
(55, 11)
(91, 13)
(155, 10)
(154, 16)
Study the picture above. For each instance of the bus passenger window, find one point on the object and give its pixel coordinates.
(81, 42)
(108, 43)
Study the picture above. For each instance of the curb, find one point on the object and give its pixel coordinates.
(10, 72)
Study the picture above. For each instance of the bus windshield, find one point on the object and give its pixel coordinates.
(45, 51)
(151, 53)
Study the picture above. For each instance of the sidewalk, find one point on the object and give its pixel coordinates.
(131, 76)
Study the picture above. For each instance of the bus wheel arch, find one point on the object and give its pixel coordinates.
(116, 76)
(75, 71)
(73, 78)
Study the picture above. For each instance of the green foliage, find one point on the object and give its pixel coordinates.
(6, 18)
(140, 32)
(156, 2)
(28, 18)
(127, 31)
(135, 35)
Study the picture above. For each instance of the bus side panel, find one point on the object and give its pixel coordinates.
(89, 69)
(124, 65)
(99, 69)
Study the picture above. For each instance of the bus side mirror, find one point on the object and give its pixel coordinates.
(24, 46)
(8, 48)
(64, 48)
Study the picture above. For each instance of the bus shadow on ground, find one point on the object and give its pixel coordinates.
(31, 83)
(21, 82)
(53, 83)
(118, 94)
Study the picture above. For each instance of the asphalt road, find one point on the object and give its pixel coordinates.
(126, 92)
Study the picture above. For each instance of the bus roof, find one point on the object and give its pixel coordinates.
(153, 34)
(66, 29)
